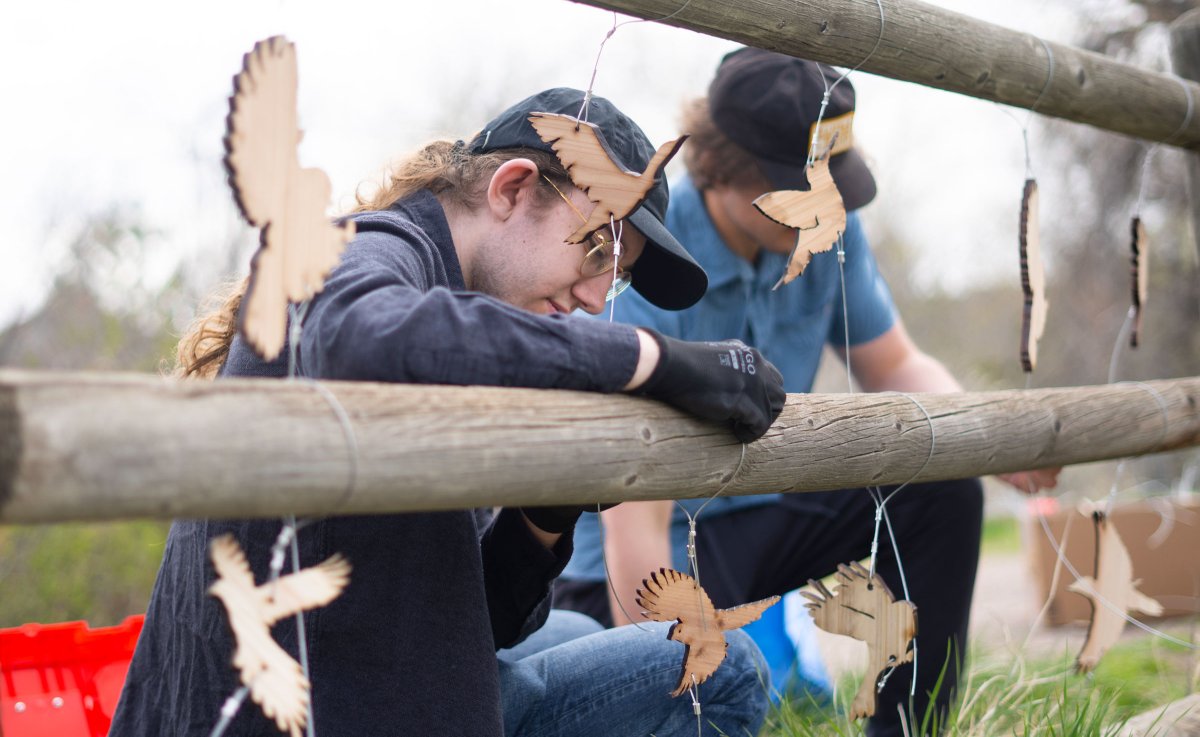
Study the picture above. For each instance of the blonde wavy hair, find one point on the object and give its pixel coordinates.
(457, 177)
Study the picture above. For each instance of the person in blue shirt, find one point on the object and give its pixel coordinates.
(750, 136)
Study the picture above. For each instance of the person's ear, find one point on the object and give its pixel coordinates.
(512, 186)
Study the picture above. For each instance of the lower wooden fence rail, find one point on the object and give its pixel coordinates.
(76, 446)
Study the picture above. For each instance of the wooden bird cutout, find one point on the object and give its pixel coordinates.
(1141, 277)
(298, 245)
(582, 150)
(276, 681)
(670, 595)
(1033, 278)
(1113, 584)
(819, 214)
(862, 607)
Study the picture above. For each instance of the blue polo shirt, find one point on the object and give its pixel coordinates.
(790, 325)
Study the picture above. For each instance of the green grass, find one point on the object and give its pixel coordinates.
(1001, 536)
(95, 572)
(1007, 695)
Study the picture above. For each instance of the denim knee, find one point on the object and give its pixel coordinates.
(743, 682)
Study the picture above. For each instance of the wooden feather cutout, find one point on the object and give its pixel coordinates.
(1113, 584)
(276, 681)
(583, 151)
(1141, 277)
(1033, 278)
(670, 595)
(863, 607)
(819, 215)
(298, 245)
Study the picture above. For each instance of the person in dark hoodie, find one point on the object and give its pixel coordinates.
(460, 274)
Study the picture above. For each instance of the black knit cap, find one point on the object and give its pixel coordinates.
(767, 103)
(665, 274)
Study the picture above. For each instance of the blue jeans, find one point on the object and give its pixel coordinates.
(573, 678)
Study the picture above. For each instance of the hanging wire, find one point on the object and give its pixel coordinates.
(875, 492)
(1096, 595)
(829, 88)
(229, 710)
(691, 542)
(587, 97)
(618, 231)
(287, 543)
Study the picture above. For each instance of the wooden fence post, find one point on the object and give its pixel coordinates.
(950, 51)
(77, 446)
(1185, 57)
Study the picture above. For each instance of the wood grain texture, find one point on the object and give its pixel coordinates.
(1033, 278)
(583, 151)
(1139, 265)
(671, 596)
(945, 50)
(1185, 58)
(110, 446)
(1112, 587)
(818, 215)
(862, 607)
(276, 681)
(298, 245)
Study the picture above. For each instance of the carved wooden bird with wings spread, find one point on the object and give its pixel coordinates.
(670, 595)
(582, 150)
(276, 681)
(862, 607)
(298, 243)
(818, 215)
(1113, 584)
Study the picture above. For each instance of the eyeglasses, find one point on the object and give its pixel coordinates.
(601, 258)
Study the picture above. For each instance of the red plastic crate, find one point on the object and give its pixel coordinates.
(63, 680)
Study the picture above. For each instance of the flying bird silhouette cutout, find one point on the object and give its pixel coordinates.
(1139, 248)
(818, 215)
(298, 245)
(582, 150)
(1033, 278)
(1113, 584)
(670, 595)
(863, 607)
(276, 681)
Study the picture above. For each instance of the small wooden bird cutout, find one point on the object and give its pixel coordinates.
(1112, 588)
(1033, 278)
(670, 595)
(299, 246)
(863, 607)
(276, 681)
(819, 215)
(1139, 247)
(582, 150)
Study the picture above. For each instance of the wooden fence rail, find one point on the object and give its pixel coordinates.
(946, 50)
(106, 446)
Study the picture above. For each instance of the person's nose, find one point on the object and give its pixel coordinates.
(590, 292)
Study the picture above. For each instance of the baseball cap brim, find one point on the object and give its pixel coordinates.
(665, 274)
(850, 174)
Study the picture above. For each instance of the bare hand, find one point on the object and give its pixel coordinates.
(1031, 482)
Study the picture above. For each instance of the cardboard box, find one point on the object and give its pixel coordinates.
(1163, 539)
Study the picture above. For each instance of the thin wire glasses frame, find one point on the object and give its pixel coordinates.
(602, 256)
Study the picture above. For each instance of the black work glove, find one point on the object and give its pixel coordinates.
(718, 381)
(557, 520)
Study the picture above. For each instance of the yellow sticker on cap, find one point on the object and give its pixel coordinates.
(842, 126)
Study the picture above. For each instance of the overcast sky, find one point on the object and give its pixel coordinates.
(123, 102)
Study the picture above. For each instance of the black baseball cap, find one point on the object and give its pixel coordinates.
(767, 103)
(665, 274)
